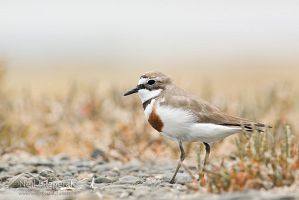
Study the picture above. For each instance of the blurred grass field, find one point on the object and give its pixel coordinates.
(81, 112)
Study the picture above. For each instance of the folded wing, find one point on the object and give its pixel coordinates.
(207, 113)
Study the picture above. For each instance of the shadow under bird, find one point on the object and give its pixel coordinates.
(182, 117)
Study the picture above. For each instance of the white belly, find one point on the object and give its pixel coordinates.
(179, 124)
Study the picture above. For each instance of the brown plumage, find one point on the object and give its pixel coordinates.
(155, 121)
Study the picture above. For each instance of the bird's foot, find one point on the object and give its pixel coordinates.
(201, 175)
(202, 179)
(172, 181)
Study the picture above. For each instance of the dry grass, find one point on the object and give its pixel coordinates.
(88, 118)
(261, 161)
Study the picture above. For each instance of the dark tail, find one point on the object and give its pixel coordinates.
(249, 127)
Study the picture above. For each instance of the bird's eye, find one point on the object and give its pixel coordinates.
(151, 82)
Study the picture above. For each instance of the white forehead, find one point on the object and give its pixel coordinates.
(142, 81)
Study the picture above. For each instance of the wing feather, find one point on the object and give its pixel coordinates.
(207, 113)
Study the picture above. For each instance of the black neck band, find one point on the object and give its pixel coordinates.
(145, 104)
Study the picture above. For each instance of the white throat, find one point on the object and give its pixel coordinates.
(145, 94)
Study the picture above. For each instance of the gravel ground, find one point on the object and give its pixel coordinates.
(59, 177)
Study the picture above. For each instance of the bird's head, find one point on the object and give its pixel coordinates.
(150, 85)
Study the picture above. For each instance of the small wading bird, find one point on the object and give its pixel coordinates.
(182, 117)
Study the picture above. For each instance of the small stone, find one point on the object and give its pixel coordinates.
(3, 178)
(48, 174)
(33, 170)
(3, 167)
(97, 153)
(129, 180)
(104, 180)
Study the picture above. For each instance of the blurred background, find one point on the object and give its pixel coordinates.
(65, 65)
(49, 43)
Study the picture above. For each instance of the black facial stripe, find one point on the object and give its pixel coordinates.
(143, 86)
(147, 102)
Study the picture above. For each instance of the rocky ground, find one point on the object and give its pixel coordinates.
(60, 177)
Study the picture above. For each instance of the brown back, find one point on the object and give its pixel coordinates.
(204, 112)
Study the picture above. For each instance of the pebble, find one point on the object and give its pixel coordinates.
(129, 180)
(86, 179)
(3, 178)
(104, 180)
(3, 167)
(48, 174)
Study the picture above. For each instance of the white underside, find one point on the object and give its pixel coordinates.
(204, 132)
(149, 108)
(181, 125)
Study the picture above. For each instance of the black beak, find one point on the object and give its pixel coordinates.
(134, 90)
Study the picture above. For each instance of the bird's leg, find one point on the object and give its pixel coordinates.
(208, 148)
(182, 158)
